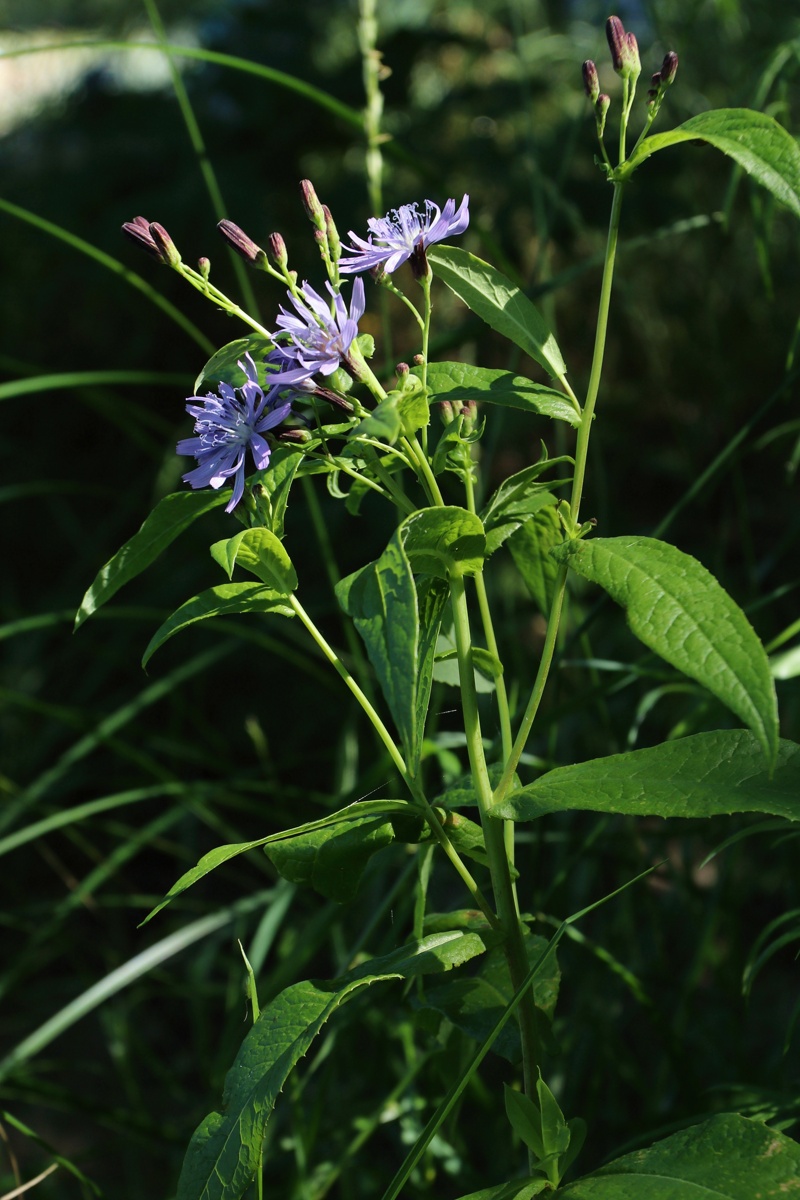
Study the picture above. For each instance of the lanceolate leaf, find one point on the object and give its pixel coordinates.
(766, 151)
(332, 860)
(382, 600)
(725, 1158)
(219, 602)
(705, 775)
(165, 523)
(224, 365)
(677, 608)
(530, 547)
(499, 302)
(460, 382)
(222, 854)
(224, 1153)
(260, 552)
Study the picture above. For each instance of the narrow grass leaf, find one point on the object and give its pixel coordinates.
(224, 1154)
(124, 976)
(704, 775)
(168, 520)
(727, 1157)
(678, 609)
(500, 303)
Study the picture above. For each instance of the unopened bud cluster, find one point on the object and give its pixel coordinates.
(625, 59)
(154, 239)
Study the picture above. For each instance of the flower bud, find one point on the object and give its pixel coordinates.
(138, 231)
(419, 360)
(401, 371)
(244, 246)
(669, 68)
(204, 267)
(166, 246)
(615, 33)
(334, 244)
(446, 412)
(297, 436)
(311, 204)
(601, 111)
(277, 251)
(591, 81)
(631, 58)
(469, 415)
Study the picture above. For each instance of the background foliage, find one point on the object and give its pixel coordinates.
(652, 1026)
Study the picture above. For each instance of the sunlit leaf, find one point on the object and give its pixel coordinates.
(679, 610)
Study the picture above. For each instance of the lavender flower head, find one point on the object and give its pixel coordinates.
(318, 340)
(403, 233)
(226, 425)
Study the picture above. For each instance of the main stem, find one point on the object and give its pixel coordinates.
(581, 453)
(499, 866)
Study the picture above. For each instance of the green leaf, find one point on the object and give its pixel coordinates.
(170, 517)
(224, 1153)
(499, 302)
(219, 602)
(516, 500)
(525, 1119)
(725, 1158)
(260, 552)
(517, 1189)
(762, 147)
(555, 1134)
(382, 601)
(677, 608)
(223, 367)
(530, 547)
(704, 775)
(271, 487)
(222, 854)
(473, 1003)
(441, 540)
(383, 423)
(432, 597)
(460, 382)
(332, 860)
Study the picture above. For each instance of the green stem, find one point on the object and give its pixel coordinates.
(425, 284)
(410, 781)
(581, 452)
(499, 866)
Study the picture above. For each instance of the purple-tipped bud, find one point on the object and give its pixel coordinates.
(204, 267)
(591, 81)
(469, 415)
(446, 412)
(277, 251)
(244, 246)
(138, 230)
(334, 244)
(167, 248)
(311, 204)
(419, 360)
(333, 398)
(615, 33)
(401, 371)
(601, 108)
(669, 68)
(655, 81)
(630, 55)
(296, 436)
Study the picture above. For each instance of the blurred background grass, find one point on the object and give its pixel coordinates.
(220, 742)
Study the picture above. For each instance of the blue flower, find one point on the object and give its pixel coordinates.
(402, 233)
(226, 425)
(318, 340)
